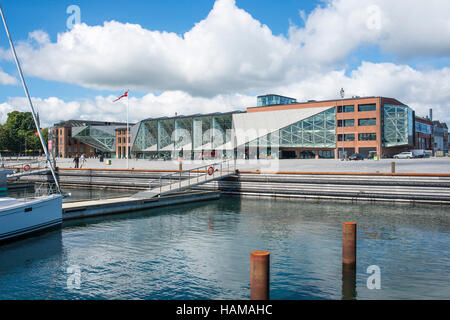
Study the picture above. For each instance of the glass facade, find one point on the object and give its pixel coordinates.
(146, 138)
(272, 99)
(101, 137)
(318, 131)
(398, 121)
(423, 127)
(193, 134)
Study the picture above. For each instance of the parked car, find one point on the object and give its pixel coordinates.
(356, 157)
(418, 153)
(404, 155)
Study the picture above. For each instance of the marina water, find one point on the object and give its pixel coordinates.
(202, 251)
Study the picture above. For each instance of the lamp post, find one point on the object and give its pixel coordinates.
(128, 130)
(342, 110)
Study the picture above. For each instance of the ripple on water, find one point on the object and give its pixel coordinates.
(201, 251)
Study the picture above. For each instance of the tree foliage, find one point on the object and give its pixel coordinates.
(19, 133)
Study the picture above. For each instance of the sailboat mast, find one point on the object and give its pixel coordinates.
(29, 101)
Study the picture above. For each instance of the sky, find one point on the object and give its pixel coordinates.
(204, 56)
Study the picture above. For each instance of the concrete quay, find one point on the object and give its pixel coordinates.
(425, 180)
(425, 165)
(95, 208)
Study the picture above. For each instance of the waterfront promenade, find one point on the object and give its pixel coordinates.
(428, 165)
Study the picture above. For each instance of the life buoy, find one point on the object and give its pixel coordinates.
(26, 167)
(211, 171)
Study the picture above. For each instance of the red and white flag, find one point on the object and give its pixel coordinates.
(122, 96)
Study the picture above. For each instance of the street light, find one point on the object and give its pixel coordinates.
(342, 92)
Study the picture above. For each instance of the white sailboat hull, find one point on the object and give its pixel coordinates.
(22, 217)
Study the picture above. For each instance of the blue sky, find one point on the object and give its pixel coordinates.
(177, 16)
(404, 56)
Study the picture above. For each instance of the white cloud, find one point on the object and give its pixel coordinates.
(53, 109)
(224, 59)
(418, 89)
(226, 52)
(405, 28)
(6, 79)
(230, 51)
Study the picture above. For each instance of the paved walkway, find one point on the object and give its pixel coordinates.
(429, 165)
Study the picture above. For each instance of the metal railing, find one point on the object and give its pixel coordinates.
(199, 174)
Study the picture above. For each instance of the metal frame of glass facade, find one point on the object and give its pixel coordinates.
(318, 131)
(398, 125)
(196, 133)
(100, 137)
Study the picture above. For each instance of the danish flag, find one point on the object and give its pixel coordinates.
(122, 96)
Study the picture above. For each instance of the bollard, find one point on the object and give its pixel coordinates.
(259, 275)
(393, 167)
(349, 244)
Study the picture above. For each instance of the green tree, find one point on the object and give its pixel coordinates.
(19, 132)
(3, 139)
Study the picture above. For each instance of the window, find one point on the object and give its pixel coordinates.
(347, 137)
(367, 137)
(347, 123)
(367, 107)
(326, 154)
(367, 122)
(119, 140)
(346, 109)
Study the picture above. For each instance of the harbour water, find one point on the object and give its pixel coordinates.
(202, 251)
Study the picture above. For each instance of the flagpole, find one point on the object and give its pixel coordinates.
(128, 129)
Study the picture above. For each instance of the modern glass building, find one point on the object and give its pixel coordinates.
(316, 129)
(276, 129)
(274, 99)
(196, 137)
(77, 137)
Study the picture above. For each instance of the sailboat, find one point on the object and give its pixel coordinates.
(21, 217)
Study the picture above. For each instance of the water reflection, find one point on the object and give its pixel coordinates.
(348, 283)
(201, 251)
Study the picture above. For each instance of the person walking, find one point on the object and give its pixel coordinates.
(83, 160)
(76, 160)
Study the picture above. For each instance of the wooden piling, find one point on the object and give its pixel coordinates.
(349, 244)
(259, 275)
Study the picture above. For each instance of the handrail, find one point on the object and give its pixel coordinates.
(218, 166)
(198, 168)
